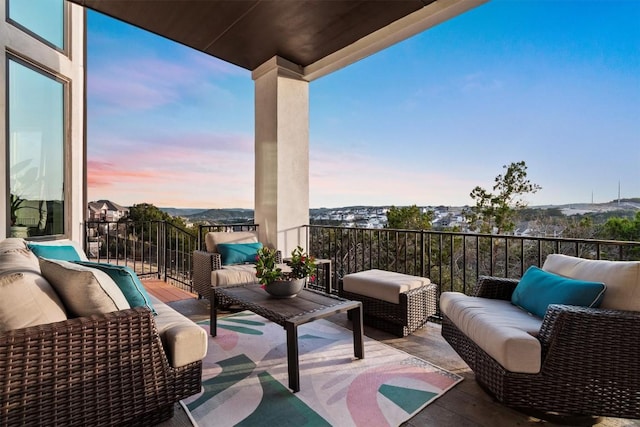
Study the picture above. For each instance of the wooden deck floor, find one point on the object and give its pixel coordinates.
(165, 292)
(466, 405)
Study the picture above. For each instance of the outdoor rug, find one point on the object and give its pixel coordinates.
(245, 379)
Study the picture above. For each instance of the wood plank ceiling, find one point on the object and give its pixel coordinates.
(247, 33)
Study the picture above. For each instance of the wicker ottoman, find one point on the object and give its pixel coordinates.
(393, 302)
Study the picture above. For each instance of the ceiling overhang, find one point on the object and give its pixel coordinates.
(316, 37)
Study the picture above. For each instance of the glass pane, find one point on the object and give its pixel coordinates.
(44, 18)
(36, 152)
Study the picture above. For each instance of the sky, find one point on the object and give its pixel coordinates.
(553, 83)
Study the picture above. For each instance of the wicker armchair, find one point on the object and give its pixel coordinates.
(101, 370)
(590, 364)
(206, 262)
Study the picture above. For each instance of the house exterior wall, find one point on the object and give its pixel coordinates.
(68, 66)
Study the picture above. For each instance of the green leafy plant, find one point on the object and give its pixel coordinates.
(268, 270)
(22, 182)
(16, 204)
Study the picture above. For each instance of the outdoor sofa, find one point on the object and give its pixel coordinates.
(74, 353)
(550, 346)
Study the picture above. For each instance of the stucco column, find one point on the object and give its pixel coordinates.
(281, 154)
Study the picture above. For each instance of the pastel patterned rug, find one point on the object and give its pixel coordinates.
(245, 380)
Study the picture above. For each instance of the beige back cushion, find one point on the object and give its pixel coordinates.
(212, 239)
(11, 243)
(27, 299)
(15, 257)
(622, 278)
(83, 290)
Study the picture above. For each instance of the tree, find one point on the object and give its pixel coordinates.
(409, 218)
(144, 212)
(622, 228)
(579, 228)
(497, 210)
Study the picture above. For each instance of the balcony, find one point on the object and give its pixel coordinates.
(160, 251)
(452, 260)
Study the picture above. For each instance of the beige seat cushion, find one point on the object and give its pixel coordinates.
(183, 340)
(27, 299)
(213, 238)
(503, 330)
(231, 275)
(622, 278)
(382, 285)
(84, 291)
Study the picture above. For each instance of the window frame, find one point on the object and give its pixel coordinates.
(66, 36)
(66, 140)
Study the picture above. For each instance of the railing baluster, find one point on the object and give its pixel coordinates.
(165, 250)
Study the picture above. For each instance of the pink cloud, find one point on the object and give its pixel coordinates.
(197, 172)
(105, 174)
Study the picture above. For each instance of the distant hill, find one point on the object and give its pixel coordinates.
(239, 215)
(184, 212)
(220, 216)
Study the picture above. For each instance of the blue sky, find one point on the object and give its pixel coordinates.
(553, 83)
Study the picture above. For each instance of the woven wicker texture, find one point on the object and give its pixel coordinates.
(101, 370)
(590, 362)
(412, 312)
(206, 262)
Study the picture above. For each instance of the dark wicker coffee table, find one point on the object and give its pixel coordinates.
(290, 313)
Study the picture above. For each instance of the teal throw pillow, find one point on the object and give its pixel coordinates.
(128, 282)
(538, 288)
(59, 252)
(238, 253)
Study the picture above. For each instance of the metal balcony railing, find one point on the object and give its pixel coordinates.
(453, 261)
(151, 248)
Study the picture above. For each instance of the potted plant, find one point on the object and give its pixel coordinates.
(17, 230)
(16, 204)
(23, 183)
(284, 280)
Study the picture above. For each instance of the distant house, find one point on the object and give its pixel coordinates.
(105, 210)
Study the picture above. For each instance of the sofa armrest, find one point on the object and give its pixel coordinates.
(203, 264)
(590, 339)
(58, 372)
(208, 260)
(494, 287)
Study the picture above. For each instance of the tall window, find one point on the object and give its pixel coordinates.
(36, 135)
(43, 18)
